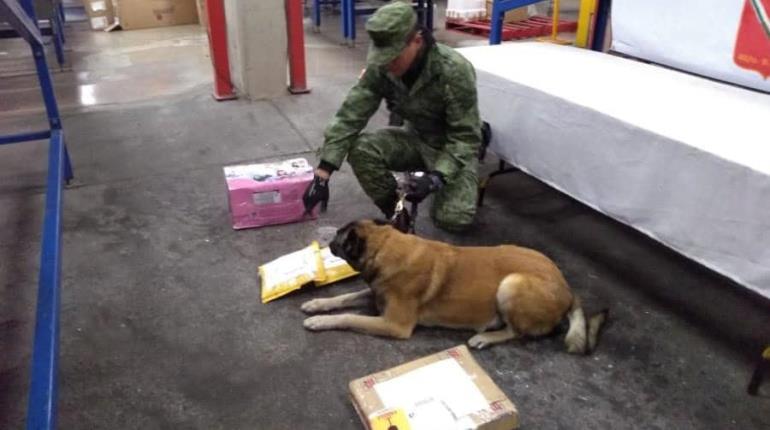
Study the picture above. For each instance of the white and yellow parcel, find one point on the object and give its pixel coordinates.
(312, 264)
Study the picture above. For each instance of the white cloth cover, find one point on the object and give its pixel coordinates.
(698, 36)
(683, 159)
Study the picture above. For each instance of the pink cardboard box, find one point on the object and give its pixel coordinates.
(269, 193)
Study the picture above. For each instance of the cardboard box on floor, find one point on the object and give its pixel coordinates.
(136, 14)
(202, 15)
(447, 390)
(100, 13)
(513, 15)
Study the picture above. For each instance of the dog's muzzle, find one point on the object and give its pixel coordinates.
(336, 246)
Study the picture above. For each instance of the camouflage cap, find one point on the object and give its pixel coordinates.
(389, 28)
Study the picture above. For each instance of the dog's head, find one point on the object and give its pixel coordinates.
(353, 242)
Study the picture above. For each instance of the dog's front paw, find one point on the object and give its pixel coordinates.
(479, 341)
(319, 322)
(313, 306)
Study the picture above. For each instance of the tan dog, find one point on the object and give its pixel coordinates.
(508, 290)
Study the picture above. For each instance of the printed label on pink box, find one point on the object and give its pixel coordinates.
(268, 193)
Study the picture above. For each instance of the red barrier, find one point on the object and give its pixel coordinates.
(217, 31)
(296, 35)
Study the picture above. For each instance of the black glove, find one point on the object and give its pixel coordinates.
(419, 187)
(316, 192)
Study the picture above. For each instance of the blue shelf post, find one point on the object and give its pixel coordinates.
(499, 8)
(43, 388)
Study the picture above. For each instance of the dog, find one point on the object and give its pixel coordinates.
(503, 292)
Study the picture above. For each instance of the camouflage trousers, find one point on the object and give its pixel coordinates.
(375, 155)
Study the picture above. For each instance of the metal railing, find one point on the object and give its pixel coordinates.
(41, 409)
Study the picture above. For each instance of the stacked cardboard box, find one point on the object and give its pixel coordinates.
(202, 14)
(513, 15)
(101, 13)
(136, 14)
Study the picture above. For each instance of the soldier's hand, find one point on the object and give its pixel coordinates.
(420, 187)
(317, 192)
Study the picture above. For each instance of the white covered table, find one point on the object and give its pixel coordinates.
(680, 158)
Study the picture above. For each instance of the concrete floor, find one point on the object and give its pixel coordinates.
(161, 324)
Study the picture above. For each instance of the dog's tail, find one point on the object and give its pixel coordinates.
(583, 335)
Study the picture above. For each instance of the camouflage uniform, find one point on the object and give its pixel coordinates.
(442, 129)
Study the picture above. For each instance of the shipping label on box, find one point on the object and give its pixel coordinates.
(444, 391)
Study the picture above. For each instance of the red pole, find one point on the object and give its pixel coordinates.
(296, 35)
(217, 31)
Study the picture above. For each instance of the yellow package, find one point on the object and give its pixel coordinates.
(290, 272)
(334, 269)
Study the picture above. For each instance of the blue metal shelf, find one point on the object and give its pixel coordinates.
(317, 10)
(349, 12)
(500, 7)
(52, 25)
(41, 409)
